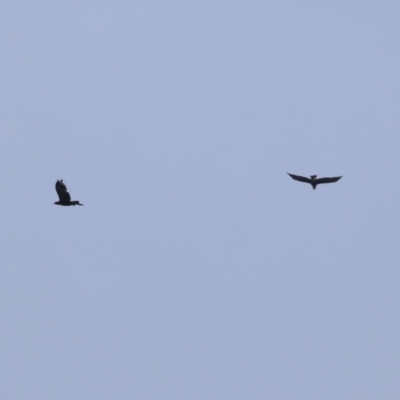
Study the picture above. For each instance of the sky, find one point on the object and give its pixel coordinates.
(197, 268)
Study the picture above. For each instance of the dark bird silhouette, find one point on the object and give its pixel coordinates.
(314, 181)
(64, 196)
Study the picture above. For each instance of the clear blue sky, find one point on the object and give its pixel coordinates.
(197, 269)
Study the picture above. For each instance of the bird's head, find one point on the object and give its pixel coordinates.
(313, 177)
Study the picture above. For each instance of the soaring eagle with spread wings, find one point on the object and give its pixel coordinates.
(64, 196)
(314, 181)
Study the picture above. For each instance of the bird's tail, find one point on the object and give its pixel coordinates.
(76, 203)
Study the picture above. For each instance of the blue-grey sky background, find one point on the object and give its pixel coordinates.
(197, 269)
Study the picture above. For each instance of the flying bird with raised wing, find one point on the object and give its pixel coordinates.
(64, 196)
(314, 181)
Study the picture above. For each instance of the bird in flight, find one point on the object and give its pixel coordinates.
(314, 181)
(64, 196)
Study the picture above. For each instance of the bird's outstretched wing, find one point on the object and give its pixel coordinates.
(62, 192)
(300, 178)
(327, 180)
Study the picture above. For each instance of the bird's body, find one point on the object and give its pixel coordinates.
(64, 196)
(314, 181)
